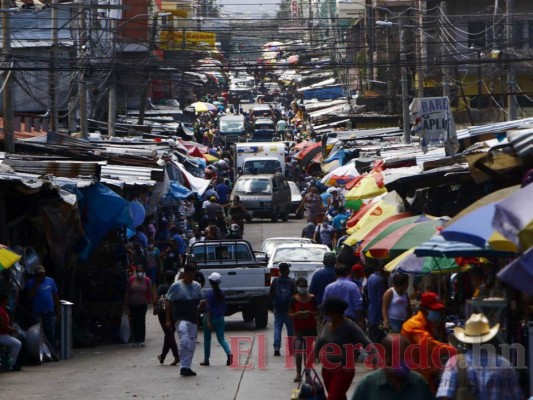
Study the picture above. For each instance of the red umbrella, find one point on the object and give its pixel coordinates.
(308, 150)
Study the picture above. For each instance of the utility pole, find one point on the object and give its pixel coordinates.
(443, 51)
(405, 87)
(82, 83)
(146, 87)
(369, 42)
(54, 49)
(511, 73)
(112, 100)
(390, 102)
(7, 95)
(421, 50)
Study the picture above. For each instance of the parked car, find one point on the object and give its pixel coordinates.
(264, 130)
(269, 245)
(296, 199)
(305, 259)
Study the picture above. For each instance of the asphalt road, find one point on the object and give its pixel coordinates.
(124, 372)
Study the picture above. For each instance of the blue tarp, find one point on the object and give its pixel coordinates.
(177, 191)
(101, 210)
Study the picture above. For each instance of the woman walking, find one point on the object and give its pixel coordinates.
(343, 335)
(214, 319)
(138, 296)
(303, 311)
(396, 307)
(169, 343)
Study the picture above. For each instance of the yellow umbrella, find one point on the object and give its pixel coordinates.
(7, 258)
(376, 214)
(525, 236)
(209, 158)
(330, 166)
(500, 243)
(366, 188)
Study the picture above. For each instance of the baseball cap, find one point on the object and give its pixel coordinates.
(358, 268)
(215, 277)
(40, 269)
(432, 301)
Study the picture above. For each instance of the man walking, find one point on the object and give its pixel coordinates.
(376, 288)
(347, 291)
(281, 292)
(480, 371)
(182, 306)
(45, 305)
(323, 277)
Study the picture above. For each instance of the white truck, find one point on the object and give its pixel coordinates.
(259, 158)
(245, 280)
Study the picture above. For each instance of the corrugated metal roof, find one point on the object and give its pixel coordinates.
(58, 168)
(128, 173)
(499, 127)
(521, 141)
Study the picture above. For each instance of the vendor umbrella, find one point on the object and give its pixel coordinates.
(513, 217)
(474, 227)
(403, 239)
(373, 227)
(209, 158)
(370, 185)
(439, 247)
(519, 273)
(410, 263)
(7, 257)
(201, 106)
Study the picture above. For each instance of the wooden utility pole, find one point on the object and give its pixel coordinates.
(82, 83)
(146, 86)
(444, 51)
(405, 85)
(511, 73)
(7, 94)
(54, 120)
(112, 100)
(421, 50)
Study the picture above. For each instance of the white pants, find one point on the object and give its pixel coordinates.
(187, 336)
(13, 344)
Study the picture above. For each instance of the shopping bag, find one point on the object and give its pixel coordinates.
(311, 388)
(125, 331)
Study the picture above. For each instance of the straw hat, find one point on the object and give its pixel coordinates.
(477, 330)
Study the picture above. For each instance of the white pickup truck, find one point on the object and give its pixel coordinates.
(245, 281)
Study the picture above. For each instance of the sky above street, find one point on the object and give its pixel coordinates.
(252, 7)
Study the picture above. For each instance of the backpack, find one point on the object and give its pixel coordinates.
(283, 292)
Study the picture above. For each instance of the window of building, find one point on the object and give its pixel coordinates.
(530, 33)
(518, 34)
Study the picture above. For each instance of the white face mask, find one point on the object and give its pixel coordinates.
(141, 275)
(301, 290)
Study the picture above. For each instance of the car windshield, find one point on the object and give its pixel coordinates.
(295, 254)
(231, 126)
(253, 186)
(261, 166)
(269, 245)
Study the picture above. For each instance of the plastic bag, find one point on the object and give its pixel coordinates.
(125, 331)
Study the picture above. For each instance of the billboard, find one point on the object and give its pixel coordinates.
(181, 39)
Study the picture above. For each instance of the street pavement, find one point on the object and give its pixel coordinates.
(123, 372)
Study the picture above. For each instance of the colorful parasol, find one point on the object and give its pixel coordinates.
(368, 186)
(410, 263)
(201, 106)
(7, 257)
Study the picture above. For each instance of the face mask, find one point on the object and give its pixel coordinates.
(302, 290)
(434, 316)
(140, 275)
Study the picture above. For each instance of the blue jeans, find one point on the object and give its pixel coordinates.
(395, 325)
(280, 318)
(218, 325)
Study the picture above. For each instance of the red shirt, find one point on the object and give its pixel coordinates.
(6, 323)
(308, 323)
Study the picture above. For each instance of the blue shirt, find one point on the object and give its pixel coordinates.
(490, 377)
(321, 278)
(325, 197)
(349, 292)
(181, 243)
(43, 302)
(223, 191)
(216, 308)
(337, 220)
(376, 287)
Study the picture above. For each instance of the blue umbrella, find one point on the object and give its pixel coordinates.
(437, 246)
(519, 273)
(474, 228)
(513, 214)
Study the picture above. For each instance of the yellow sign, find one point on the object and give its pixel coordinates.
(174, 40)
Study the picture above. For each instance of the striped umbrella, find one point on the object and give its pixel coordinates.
(437, 246)
(410, 263)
